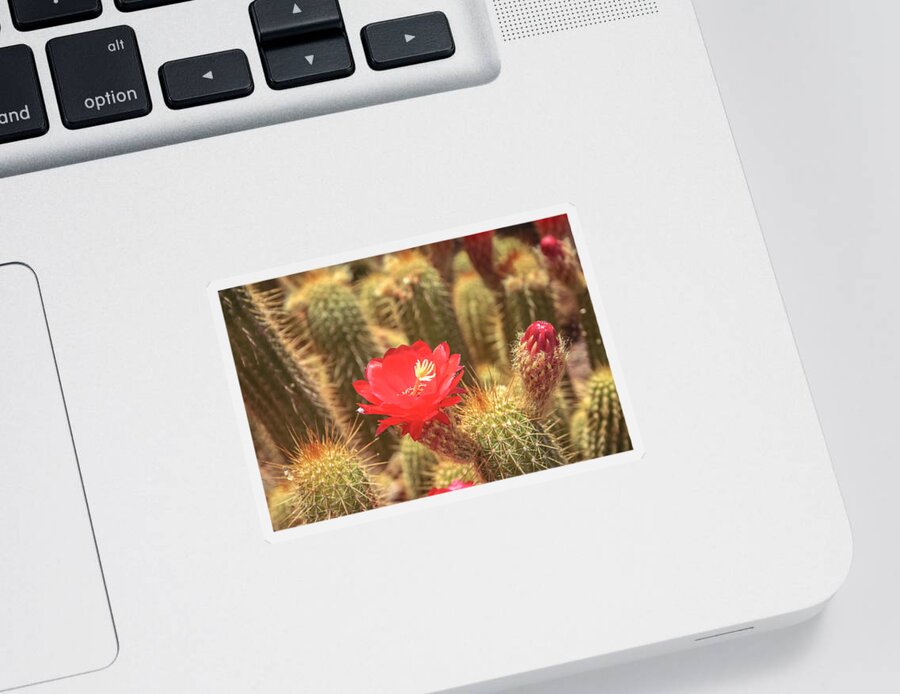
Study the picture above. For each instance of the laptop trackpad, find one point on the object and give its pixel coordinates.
(55, 619)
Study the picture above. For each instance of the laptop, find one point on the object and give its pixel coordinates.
(386, 347)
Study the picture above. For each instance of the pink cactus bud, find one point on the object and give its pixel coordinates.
(540, 360)
(561, 261)
(551, 247)
(554, 226)
(540, 337)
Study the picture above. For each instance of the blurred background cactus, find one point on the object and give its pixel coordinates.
(513, 303)
(602, 431)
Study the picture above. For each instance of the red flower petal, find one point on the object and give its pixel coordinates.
(411, 385)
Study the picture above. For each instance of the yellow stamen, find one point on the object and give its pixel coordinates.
(425, 370)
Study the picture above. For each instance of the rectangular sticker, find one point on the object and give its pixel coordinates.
(421, 372)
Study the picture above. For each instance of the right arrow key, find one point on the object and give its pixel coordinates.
(408, 40)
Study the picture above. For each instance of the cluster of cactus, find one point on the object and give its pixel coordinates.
(512, 303)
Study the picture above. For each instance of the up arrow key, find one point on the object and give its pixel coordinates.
(408, 37)
(296, 9)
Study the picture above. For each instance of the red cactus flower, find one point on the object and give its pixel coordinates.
(557, 226)
(411, 386)
(454, 485)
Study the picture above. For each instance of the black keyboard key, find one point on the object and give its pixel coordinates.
(131, 5)
(22, 111)
(99, 77)
(408, 40)
(296, 64)
(206, 79)
(284, 19)
(37, 14)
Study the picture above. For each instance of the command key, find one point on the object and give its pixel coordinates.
(22, 111)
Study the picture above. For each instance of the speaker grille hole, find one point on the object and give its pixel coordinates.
(521, 19)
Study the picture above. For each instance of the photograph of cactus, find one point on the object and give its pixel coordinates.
(422, 372)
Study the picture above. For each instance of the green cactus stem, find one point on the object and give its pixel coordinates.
(462, 264)
(376, 292)
(526, 300)
(449, 442)
(577, 427)
(327, 478)
(424, 307)
(514, 257)
(447, 472)
(416, 463)
(479, 320)
(558, 424)
(389, 489)
(604, 431)
(278, 499)
(276, 380)
(509, 441)
(339, 332)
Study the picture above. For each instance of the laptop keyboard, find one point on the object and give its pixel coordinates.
(101, 76)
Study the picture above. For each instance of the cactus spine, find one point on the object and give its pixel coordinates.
(326, 479)
(447, 472)
(479, 319)
(449, 442)
(604, 430)
(540, 360)
(278, 499)
(375, 293)
(416, 464)
(276, 382)
(341, 336)
(526, 300)
(509, 441)
(423, 305)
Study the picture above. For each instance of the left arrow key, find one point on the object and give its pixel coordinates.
(206, 79)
